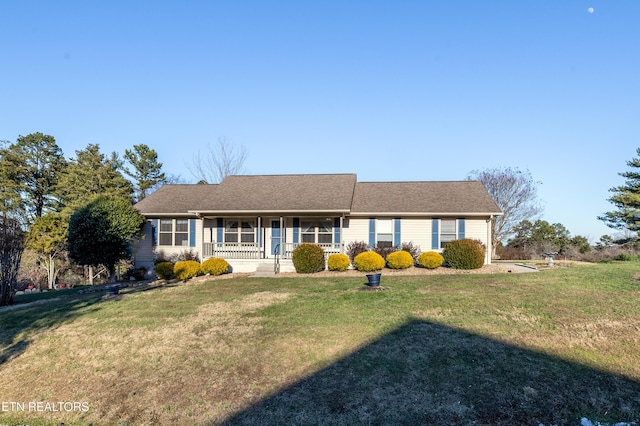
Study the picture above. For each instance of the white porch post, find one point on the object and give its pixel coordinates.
(259, 236)
(282, 240)
(341, 232)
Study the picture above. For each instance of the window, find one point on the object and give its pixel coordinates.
(182, 232)
(174, 232)
(166, 232)
(316, 231)
(247, 232)
(325, 235)
(384, 233)
(447, 231)
(308, 231)
(239, 231)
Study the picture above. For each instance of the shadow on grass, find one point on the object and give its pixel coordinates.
(425, 373)
(18, 322)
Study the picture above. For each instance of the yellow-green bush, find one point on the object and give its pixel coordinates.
(368, 261)
(399, 259)
(214, 266)
(308, 258)
(186, 269)
(464, 254)
(430, 260)
(164, 270)
(338, 262)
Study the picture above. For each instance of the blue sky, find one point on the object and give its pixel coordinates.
(405, 90)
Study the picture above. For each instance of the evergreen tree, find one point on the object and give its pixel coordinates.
(39, 161)
(90, 175)
(626, 199)
(11, 221)
(147, 171)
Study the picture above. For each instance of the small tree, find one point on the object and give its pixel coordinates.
(48, 238)
(101, 232)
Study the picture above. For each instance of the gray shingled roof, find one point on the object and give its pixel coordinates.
(320, 193)
(174, 199)
(467, 197)
(281, 193)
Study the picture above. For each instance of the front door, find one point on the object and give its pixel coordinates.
(275, 236)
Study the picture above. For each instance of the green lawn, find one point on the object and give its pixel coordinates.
(549, 347)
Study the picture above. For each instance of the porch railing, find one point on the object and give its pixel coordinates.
(252, 251)
(231, 250)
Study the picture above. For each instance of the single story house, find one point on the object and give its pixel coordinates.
(250, 220)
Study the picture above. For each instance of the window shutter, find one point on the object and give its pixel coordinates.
(154, 232)
(296, 230)
(460, 229)
(372, 232)
(219, 230)
(396, 232)
(192, 232)
(435, 234)
(336, 232)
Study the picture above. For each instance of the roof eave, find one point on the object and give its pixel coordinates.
(391, 213)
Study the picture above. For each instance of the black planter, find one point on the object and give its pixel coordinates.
(374, 280)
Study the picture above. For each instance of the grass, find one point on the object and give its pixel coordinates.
(548, 348)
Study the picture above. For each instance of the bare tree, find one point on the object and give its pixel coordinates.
(219, 161)
(515, 192)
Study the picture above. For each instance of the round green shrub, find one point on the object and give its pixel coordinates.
(430, 260)
(164, 270)
(399, 259)
(338, 262)
(368, 261)
(214, 266)
(186, 269)
(308, 258)
(464, 254)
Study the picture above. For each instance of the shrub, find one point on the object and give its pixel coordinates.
(413, 250)
(189, 254)
(354, 248)
(308, 258)
(214, 266)
(464, 254)
(368, 261)
(384, 249)
(136, 273)
(164, 270)
(338, 262)
(399, 260)
(186, 269)
(430, 260)
(626, 257)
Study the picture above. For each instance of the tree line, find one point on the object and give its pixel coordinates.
(79, 211)
(69, 210)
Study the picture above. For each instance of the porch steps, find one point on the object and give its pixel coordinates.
(264, 270)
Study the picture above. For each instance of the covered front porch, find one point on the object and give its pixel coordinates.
(264, 237)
